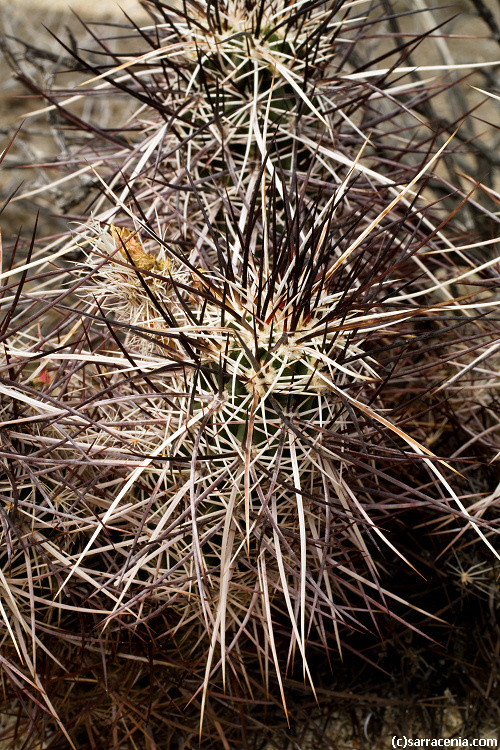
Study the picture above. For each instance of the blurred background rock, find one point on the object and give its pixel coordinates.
(29, 49)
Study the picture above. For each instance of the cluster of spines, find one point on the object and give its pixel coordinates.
(187, 465)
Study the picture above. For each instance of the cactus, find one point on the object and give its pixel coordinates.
(227, 411)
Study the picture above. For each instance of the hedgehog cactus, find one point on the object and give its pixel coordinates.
(219, 84)
(238, 421)
(276, 404)
(243, 72)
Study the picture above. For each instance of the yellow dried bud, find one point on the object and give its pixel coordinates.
(124, 238)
